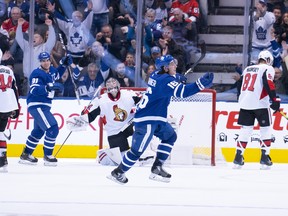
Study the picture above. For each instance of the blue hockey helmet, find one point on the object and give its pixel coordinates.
(43, 55)
(163, 61)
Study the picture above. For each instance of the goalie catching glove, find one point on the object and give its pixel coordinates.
(77, 123)
(205, 81)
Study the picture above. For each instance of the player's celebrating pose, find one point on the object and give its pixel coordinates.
(39, 100)
(256, 90)
(151, 118)
(9, 108)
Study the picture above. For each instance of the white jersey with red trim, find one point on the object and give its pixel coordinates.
(8, 99)
(253, 95)
(116, 113)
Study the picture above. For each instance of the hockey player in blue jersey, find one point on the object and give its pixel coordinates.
(39, 100)
(151, 118)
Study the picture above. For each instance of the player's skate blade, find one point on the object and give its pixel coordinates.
(265, 161)
(118, 176)
(264, 167)
(50, 160)
(28, 159)
(237, 166)
(3, 169)
(156, 177)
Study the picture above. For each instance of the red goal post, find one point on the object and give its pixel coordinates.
(193, 141)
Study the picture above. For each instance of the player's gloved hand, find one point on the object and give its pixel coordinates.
(54, 86)
(86, 109)
(181, 78)
(205, 81)
(66, 60)
(77, 123)
(15, 113)
(275, 104)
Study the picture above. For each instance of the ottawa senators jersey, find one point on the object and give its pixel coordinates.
(253, 95)
(116, 113)
(8, 93)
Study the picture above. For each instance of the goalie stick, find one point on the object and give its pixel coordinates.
(94, 96)
(202, 46)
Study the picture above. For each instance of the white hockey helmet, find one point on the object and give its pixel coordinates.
(267, 56)
(113, 86)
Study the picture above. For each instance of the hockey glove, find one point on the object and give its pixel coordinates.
(54, 86)
(77, 123)
(86, 109)
(181, 78)
(15, 113)
(205, 81)
(66, 60)
(275, 104)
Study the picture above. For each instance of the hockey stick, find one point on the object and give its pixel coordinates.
(283, 114)
(63, 143)
(68, 67)
(94, 96)
(8, 137)
(202, 46)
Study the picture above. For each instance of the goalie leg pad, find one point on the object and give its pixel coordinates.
(109, 157)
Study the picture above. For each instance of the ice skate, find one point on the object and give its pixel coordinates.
(118, 176)
(3, 162)
(238, 161)
(28, 159)
(50, 160)
(158, 173)
(265, 161)
(146, 160)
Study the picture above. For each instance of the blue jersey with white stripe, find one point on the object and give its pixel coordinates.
(38, 80)
(154, 104)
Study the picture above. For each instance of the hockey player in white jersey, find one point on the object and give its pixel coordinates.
(257, 90)
(9, 108)
(151, 118)
(117, 108)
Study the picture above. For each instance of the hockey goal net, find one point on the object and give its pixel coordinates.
(194, 118)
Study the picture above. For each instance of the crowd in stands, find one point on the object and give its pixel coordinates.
(100, 36)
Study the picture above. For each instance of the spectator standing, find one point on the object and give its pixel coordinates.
(77, 32)
(263, 21)
(100, 15)
(39, 45)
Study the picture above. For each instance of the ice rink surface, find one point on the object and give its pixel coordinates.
(80, 187)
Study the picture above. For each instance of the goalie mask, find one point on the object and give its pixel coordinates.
(267, 56)
(113, 86)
